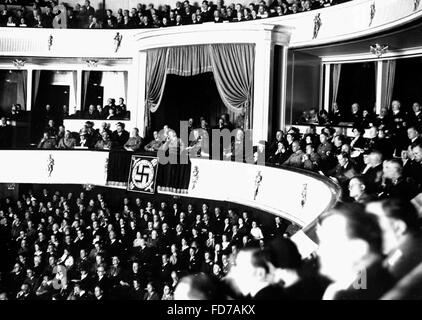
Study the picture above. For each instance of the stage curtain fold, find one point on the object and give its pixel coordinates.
(188, 61)
(156, 77)
(389, 73)
(231, 64)
(36, 81)
(336, 80)
(233, 69)
(86, 76)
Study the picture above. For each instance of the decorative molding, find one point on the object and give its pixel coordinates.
(91, 63)
(50, 165)
(304, 195)
(378, 49)
(317, 25)
(117, 41)
(258, 180)
(50, 42)
(18, 63)
(373, 10)
(416, 4)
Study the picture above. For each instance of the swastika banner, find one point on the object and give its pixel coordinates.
(142, 174)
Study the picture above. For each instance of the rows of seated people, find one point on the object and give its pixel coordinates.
(134, 250)
(165, 139)
(110, 111)
(85, 16)
(62, 246)
(388, 160)
(387, 119)
(89, 138)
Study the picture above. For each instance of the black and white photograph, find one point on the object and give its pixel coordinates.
(231, 153)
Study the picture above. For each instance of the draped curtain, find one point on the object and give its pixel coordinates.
(156, 77)
(389, 68)
(36, 80)
(74, 102)
(233, 67)
(86, 76)
(188, 61)
(335, 81)
(21, 88)
(231, 64)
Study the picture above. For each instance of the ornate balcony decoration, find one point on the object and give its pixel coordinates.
(317, 25)
(372, 13)
(91, 63)
(18, 63)
(378, 49)
(50, 42)
(117, 41)
(416, 4)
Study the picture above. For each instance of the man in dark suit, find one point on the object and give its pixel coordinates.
(376, 143)
(120, 136)
(5, 134)
(251, 275)
(92, 113)
(350, 254)
(101, 280)
(373, 172)
(194, 264)
(402, 239)
(115, 247)
(344, 171)
(325, 150)
(415, 117)
(413, 135)
(166, 269)
(398, 128)
(395, 184)
(89, 9)
(84, 140)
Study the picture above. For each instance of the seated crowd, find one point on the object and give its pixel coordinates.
(65, 247)
(89, 138)
(57, 137)
(42, 14)
(59, 246)
(387, 162)
(111, 111)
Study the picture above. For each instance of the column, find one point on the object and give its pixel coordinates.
(378, 81)
(139, 115)
(29, 77)
(327, 83)
(263, 78)
(78, 106)
(283, 100)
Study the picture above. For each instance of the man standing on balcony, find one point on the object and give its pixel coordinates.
(120, 136)
(89, 10)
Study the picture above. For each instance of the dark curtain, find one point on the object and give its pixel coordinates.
(407, 82)
(186, 97)
(232, 66)
(36, 81)
(233, 69)
(118, 167)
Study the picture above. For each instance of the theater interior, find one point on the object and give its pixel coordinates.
(189, 150)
